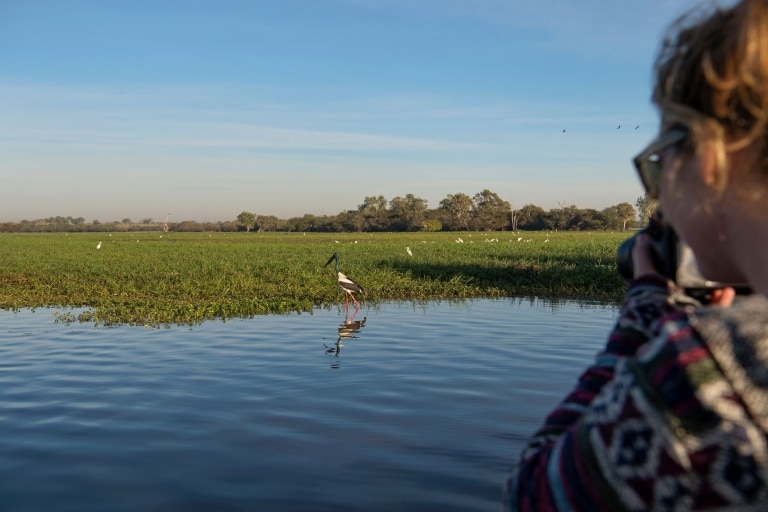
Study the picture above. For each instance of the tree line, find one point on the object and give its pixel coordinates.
(485, 211)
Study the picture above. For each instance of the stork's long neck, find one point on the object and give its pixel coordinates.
(337, 265)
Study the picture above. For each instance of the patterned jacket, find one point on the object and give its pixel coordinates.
(672, 416)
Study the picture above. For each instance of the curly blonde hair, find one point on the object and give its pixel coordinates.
(712, 71)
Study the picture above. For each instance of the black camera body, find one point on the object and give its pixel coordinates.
(673, 259)
(665, 249)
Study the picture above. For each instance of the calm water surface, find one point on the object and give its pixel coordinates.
(421, 407)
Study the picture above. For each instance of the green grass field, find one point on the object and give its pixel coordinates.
(185, 278)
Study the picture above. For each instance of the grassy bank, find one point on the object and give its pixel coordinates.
(146, 278)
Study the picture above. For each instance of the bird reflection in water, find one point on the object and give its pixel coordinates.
(347, 329)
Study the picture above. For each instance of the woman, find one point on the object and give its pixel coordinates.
(674, 413)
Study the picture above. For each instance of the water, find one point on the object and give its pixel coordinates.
(422, 407)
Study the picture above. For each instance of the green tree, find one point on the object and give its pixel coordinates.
(246, 220)
(432, 225)
(228, 226)
(562, 218)
(458, 208)
(211, 226)
(346, 221)
(531, 217)
(489, 211)
(407, 213)
(374, 213)
(627, 213)
(588, 219)
(307, 222)
(619, 216)
(646, 206)
(188, 226)
(268, 223)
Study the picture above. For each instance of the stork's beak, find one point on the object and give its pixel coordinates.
(329, 261)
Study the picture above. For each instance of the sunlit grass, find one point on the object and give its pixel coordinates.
(146, 278)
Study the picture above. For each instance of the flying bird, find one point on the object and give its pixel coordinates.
(349, 286)
(618, 127)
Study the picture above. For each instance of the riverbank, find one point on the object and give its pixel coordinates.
(153, 278)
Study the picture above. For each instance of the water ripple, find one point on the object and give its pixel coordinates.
(422, 407)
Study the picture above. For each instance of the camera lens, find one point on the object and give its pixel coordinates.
(624, 258)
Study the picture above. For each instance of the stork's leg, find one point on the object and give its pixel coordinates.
(357, 304)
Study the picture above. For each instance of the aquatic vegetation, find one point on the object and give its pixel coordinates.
(179, 278)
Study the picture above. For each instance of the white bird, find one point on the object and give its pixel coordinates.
(98, 245)
(459, 241)
(408, 250)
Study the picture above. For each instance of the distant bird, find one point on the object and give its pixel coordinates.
(349, 286)
(459, 240)
(408, 250)
(636, 127)
(98, 245)
(618, 127)
(563, 130)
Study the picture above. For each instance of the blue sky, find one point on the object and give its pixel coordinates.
(202, 109)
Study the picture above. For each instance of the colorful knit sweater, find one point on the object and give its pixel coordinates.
(672, 416)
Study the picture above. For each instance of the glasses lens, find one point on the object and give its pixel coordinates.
(648, 163)
(650, 174)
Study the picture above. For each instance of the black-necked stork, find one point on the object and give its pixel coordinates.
(349, 286)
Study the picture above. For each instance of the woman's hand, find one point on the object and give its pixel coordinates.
(643, 265)
(723, 297)
(641, 256)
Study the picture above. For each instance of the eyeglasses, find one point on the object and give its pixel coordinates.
(648, 163)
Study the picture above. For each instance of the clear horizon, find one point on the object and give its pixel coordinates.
(133, 109)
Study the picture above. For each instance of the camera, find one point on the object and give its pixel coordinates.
(673, 259)
(665, 249)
